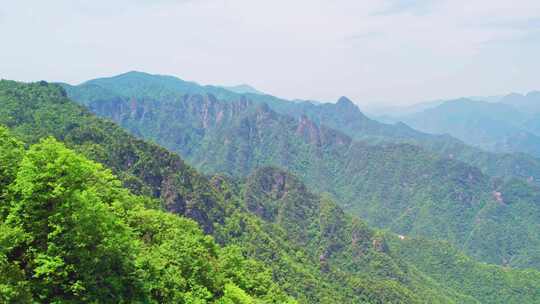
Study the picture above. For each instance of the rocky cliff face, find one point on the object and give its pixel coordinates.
(308, 219)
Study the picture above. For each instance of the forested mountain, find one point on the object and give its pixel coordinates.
(71, 234)
(66, 221)
(343, 116)
(398, 186)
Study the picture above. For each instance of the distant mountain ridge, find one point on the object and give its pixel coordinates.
(529, 102)
(243, 89)
(508, 126)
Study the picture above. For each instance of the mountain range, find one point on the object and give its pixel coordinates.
(344, 117)
(275, 241)
(277, 201)
(509, 125)
(392, 176)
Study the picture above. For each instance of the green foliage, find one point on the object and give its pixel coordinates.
(399, 186)
(181, 261)
(235, 295)
(14, 288)
(275, 237)
(36, 111)
(487, 283)
(74, 235)
(11, 151)
(318, 252)
(76, 247)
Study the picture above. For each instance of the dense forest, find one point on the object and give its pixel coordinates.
(90, 213)
(71, 233)
(414, 190)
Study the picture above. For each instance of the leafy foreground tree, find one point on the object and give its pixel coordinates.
(71, 233)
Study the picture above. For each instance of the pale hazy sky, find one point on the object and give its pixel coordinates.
(372, 51)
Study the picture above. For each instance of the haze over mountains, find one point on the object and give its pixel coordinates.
(508, 125)
(290, 163)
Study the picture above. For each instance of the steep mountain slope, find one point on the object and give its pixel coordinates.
(346, 117)
(396, 186)
(71, 234)
(345, 243)
(338, 246)
(491, 126)
(356, 125)
(317, 253)
(34, 111)
(38, 110)
(442, 261)
(143, 85)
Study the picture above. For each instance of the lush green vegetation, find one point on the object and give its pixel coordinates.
(39, 110)
(444, 263)
(70, 233)
(398, 186)
(69, 227)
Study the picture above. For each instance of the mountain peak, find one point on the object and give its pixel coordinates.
(132, 74)
(243, 89)
(344, 101)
